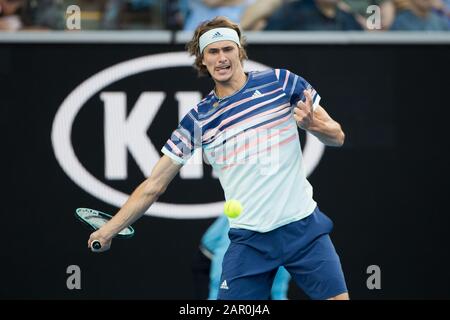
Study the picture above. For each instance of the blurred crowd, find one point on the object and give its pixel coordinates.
(256, 15)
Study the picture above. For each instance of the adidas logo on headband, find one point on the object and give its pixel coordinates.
(218, 34)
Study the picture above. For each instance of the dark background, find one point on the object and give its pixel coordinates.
(385, 189)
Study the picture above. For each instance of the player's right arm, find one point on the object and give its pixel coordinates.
(139, 201)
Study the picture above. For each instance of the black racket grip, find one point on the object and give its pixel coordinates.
(96, 245)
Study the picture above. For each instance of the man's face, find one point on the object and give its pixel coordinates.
(222, 60)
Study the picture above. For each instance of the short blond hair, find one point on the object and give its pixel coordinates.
(219, 22)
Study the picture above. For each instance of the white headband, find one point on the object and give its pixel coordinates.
(218, 34)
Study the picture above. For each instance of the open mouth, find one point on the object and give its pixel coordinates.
(223, 68)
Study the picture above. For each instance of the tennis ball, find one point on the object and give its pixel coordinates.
(232, 208)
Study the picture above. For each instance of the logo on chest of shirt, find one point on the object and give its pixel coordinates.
(256, 94)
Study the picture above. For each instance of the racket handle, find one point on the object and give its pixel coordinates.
(96, 245)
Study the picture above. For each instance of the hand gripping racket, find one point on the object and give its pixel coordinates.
(95, 220)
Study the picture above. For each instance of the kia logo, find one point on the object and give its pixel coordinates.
(131, 136)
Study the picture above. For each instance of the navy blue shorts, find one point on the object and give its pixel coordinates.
(303, 247)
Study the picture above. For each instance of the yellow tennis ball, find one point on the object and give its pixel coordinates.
(232, 208)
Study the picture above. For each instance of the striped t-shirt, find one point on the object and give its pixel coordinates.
(250, 138)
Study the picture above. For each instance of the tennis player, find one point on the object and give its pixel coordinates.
(247, 127)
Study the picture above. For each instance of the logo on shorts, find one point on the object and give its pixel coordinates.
(224, 285)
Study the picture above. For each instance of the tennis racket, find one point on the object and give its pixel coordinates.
(95, 220)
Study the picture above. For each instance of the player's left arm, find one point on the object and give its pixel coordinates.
(318, 122)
